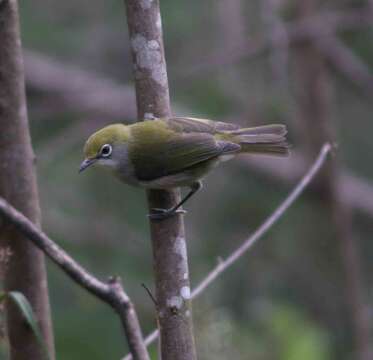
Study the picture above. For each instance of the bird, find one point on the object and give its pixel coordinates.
(172, 152)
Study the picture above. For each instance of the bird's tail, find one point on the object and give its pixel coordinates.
(267, 139)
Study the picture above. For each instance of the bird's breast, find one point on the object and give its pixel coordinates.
(125, 170)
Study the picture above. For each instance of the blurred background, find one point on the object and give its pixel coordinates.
(305, 290)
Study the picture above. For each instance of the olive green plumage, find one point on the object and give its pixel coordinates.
(172, 152)
(116, 133)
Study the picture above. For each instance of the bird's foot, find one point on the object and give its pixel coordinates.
(161, 214)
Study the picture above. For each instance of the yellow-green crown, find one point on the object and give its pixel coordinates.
(111, 134)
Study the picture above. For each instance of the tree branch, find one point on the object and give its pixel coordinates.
(224, 265)
(267, 224)
(168, 236)
(25, 270)
(111, 292)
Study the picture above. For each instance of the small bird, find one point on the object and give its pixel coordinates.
(176, 152)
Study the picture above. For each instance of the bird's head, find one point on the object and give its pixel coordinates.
(105, 146)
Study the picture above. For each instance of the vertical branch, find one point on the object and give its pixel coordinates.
(168, 238)
(314, 100)
(25, 270)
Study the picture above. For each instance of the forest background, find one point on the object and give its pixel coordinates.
(304, 291)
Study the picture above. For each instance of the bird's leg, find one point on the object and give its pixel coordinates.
(159, 214)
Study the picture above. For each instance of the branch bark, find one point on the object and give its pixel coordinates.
(168, 236)
(110, 292)
(25, 269)
(224, 265)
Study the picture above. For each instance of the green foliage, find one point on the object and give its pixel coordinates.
(25, 308)
(296, 337)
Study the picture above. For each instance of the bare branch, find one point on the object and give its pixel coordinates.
(25, 270)
(167, 236)
(267, 224)
(223, 265)
(111, 292)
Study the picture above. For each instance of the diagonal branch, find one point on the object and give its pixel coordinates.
(267, 224)
(224, 265)
(110, 292)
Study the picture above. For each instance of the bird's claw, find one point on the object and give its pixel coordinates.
(160, 214)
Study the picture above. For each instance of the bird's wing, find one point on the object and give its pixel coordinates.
(167, 152)
(194, 125)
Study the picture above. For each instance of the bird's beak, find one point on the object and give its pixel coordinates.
(85, 163)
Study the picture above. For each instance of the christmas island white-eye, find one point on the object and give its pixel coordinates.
(176, 152)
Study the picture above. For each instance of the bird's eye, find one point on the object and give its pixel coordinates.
(106, 150)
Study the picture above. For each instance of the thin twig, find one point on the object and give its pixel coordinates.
(111, 292)
(149, 293)
(268, 223)
(223, 265)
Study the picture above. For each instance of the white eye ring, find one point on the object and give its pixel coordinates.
(106, 150)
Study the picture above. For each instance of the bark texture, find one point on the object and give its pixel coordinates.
(25, 268)
(315, 97)
(168, 237)
(110, 292)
